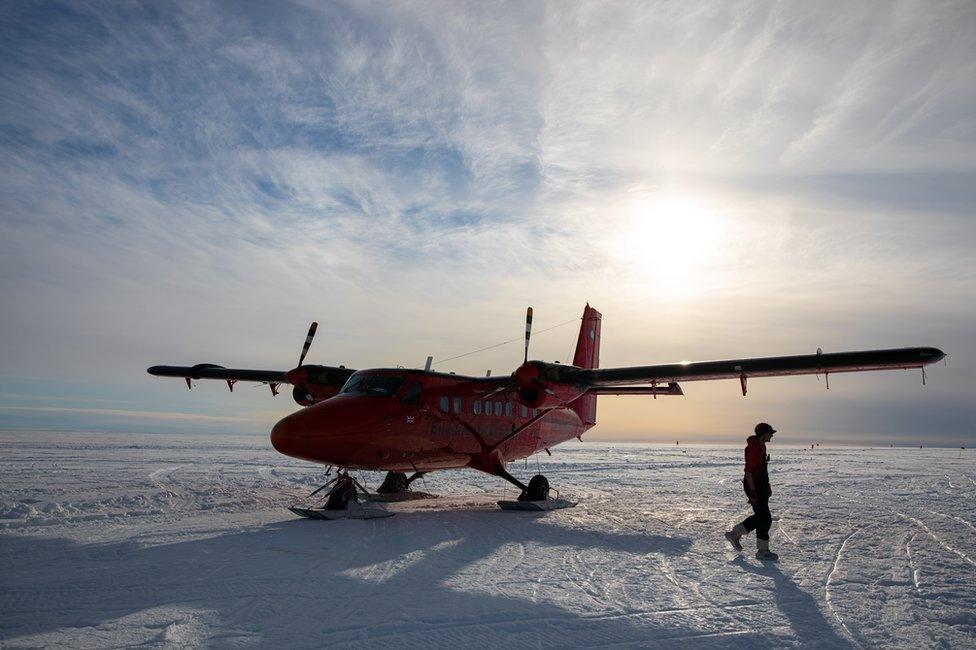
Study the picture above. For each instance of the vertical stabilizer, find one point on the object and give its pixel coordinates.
(588, 356)
(588, 343)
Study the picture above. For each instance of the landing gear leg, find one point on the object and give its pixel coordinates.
(534, 496)
(396, 487)
(414, 477)
(394, 483)
(343, 492)
(500, 471)
(397, 482)
(342, 501)
(538, 489)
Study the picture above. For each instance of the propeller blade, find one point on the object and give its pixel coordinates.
(308, 342)
(528, 332)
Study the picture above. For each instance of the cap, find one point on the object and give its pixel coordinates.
(763, 428)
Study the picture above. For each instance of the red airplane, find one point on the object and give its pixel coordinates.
(400, 420)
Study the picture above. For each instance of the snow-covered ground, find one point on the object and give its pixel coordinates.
(152, 540)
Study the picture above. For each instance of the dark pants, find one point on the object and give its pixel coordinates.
(761, 520)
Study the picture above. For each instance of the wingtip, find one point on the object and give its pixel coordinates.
(931, 355)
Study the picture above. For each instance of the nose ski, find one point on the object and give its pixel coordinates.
(342, 502)
(354, 512)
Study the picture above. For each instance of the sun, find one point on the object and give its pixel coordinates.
(666, 241)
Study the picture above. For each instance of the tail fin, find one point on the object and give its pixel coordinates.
(588, 356)
(588, 343)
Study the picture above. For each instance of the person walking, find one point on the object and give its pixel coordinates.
(756, 484)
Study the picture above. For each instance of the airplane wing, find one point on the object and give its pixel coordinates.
(312, 383)
(807, 364)
(211, 371)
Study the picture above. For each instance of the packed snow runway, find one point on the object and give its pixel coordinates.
(151, 540)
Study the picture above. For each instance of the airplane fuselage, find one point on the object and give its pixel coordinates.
(412, 420)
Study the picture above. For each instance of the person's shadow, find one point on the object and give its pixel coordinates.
(800, 608)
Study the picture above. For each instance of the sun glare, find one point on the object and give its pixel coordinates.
(667, 241)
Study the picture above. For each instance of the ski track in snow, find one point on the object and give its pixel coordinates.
(834, 567)
(938, 539)
(181, 541)
(916, 578)
(962, 521)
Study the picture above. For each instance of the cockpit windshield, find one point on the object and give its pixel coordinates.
(375, 385)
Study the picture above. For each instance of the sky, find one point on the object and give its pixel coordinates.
(196, 182)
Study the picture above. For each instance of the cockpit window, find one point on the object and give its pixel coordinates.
(375, 385)
(352, 384)
(412, 398)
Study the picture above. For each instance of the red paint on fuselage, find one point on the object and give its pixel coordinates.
(380, 432)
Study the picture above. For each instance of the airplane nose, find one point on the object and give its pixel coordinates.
(285, 434)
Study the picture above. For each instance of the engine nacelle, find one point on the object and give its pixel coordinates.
(546, 385)
(303, 396)
(313, 384)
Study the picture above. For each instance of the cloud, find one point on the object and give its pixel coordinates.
(185, 183)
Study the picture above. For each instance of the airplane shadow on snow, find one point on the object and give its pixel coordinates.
(313, 583)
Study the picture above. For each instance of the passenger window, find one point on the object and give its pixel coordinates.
(508, 409)
(457, 405)
(498, 408)
(477, 407)
(525, 411)
(412, 396)
(445, 404)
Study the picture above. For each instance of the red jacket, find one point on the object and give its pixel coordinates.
(755, 455)
(756, 465)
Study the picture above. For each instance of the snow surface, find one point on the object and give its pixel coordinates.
(153, 540)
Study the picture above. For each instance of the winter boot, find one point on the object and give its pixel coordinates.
(735, 535)
(764, 553)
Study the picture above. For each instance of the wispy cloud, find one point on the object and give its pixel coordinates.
(195, 182)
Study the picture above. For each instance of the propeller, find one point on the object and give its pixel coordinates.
(311, 335)
(528, 334)
(299, 375)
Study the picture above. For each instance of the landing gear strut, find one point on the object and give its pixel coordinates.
(342, 501)
(396, 487)
(538, 489)
(342, 493)
(397, 482)
(534, 496)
